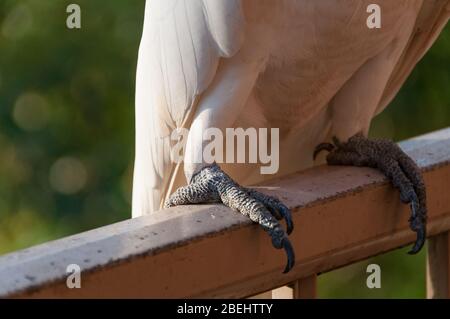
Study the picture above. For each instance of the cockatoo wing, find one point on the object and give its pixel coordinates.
(433, 17)
(181, 47)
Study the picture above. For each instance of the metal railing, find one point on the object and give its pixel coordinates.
(341, 215)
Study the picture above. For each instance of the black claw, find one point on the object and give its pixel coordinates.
(276, 208)
(286, 213)
(322, 147)
(275, 212)
(420, 241)
(280, 240)
(414, 204)
(394, 163)
(418, 226)
(290, 255)
(280, 211)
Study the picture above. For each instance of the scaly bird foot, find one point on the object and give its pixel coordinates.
(212, 185)
(387, 157)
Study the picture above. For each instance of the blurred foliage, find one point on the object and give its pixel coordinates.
(402, 276)
(66, 117)
(67, 129)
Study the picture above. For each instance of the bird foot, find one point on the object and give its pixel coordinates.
(212, 185)
(389, 158)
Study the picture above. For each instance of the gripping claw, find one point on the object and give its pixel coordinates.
(290, 255)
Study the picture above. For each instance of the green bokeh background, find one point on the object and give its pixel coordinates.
(67, 129)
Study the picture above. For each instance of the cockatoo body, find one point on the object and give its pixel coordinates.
(313, 69)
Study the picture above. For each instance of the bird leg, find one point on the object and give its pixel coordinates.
(212, 185)
(387, 157)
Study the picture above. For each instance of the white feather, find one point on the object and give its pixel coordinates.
(311, 68)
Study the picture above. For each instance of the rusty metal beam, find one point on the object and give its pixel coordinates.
(341, 215)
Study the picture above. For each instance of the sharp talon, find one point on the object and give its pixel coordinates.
(420, 241)
(275, 207)
(286, 213)
(290, 255)
(414, 207)
(403, 172)
(212, 184)
(280, 240)
(418, 228)
(282, 212)
(322, 147)
(274, 212)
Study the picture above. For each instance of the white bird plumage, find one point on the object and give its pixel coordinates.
(311, 68)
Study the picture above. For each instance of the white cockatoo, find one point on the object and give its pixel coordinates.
(316, 70)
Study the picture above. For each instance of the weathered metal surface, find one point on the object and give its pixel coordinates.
(341, 215)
